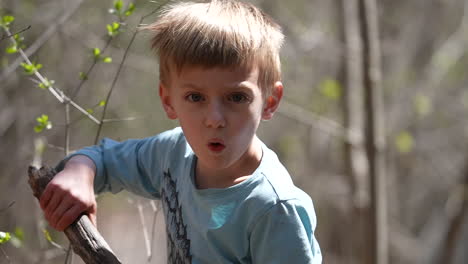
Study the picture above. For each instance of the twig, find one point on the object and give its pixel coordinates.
(6, 256)
(452, 50)
(67, 130)
(8, 207)
(57, 245)
(313, 120)
(61, 97)
(153, 227)
(114, 82)
(69, 256)
(55, 147)
(116, 77)
(41, 40)
(122, 119)
(78, 88)
(9, 36)
(145, 229)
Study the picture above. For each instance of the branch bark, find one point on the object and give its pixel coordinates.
(375, 131)
(84, 237)
(357, 161)
(457, 220)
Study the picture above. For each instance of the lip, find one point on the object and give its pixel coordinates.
(216, 145)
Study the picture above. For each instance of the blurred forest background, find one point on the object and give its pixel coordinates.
(319, 132)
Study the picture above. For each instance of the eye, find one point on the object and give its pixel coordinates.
(238, 98)
(194, 97)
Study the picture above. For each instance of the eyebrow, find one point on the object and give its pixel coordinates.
(191, 85)
(242, 85)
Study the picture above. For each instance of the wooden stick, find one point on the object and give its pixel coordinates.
(84, 237)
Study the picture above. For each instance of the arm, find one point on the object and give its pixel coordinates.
(285, 234)
(70, 193)
(134, 165)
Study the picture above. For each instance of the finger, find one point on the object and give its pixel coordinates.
(53, 203)
(58, 213)
(92, 215)
(45, 197)
(69, 217)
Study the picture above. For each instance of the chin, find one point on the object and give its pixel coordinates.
(215, 164)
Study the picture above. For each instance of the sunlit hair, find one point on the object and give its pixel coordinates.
(223, 33)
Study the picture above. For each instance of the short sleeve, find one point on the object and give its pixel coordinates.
(135, 165)
(285, 234)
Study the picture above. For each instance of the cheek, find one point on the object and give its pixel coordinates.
(249, 120)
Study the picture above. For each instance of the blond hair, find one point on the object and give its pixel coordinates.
(225, 33)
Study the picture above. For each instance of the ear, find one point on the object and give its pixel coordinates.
(165, 97)
(272, 101)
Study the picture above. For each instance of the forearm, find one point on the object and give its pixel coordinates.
(70, 193)
(83, 164)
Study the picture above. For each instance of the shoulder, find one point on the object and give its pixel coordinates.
(165, 142)
(276, 180)
(172, 136)
(275, 188)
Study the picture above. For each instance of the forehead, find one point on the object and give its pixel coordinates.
(225, 77)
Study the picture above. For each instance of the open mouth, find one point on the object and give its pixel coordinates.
(216, 146)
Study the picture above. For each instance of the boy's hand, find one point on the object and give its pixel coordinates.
(70, 193)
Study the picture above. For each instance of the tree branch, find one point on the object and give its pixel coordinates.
(84, 237)
(41, 40)
(117, 74)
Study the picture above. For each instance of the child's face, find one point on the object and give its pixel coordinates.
(219, 111)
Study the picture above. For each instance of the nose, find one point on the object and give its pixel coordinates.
(215, 115)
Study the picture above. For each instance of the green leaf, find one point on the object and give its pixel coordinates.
(17, 238)
(330, 89)
(18, 38)
(38, 128)
(19, 233)
(109, 29)
(118, 5)
(422, 105)
(113, 29)
(102, 103)
(83, 76)
(12, 49)
(96, 53)
(43, 118)
(89, 110)
(115, 26)
(6, 20)
(4, 237)
(404, 142)
(130, 9)
(31, 68)
(46, 84)
(42, 123)
(28, 68)
(107, 59)
(47, 235)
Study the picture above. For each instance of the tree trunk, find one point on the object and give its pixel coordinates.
(84, 237)
(375, 132)
(355, 151)
(457, 219)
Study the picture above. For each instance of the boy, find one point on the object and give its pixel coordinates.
(226, 197)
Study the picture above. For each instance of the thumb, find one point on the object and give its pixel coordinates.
(92, 215)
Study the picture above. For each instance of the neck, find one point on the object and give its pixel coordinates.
(238, 172)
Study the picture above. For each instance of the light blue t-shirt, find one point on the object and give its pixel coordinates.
(264, 219)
